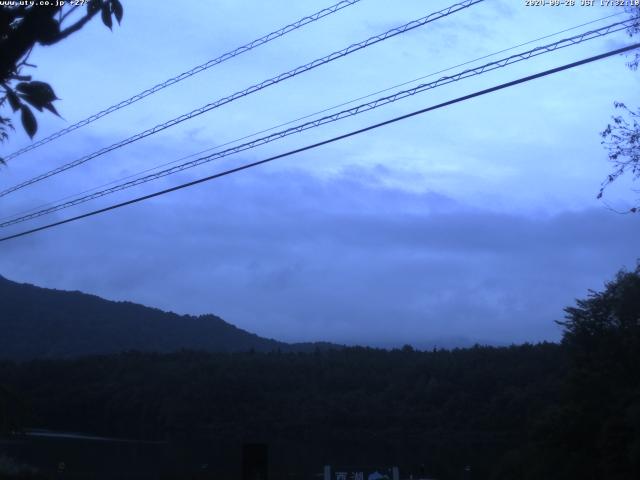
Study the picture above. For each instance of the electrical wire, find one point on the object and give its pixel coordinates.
(330, 140)
(257, 87)
(289, 122)
(575, 40)
(189, 73)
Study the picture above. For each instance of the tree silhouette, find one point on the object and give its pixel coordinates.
(22, 27)
(600, 415)
(622, 136)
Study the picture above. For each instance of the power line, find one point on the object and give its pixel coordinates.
(289, 122)
(575, 40)
(331, 140)
(259, 86)
(189, 73)
(304, 117)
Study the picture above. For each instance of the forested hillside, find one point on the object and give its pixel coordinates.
(568, 411)
(45, 323)
(446, 409)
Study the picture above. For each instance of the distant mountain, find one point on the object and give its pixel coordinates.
(45, 323)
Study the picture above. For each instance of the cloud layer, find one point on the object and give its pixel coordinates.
(291, 256)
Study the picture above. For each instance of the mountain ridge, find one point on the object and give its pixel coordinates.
(41, 322)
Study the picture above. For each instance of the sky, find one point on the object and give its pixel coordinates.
(473, 223)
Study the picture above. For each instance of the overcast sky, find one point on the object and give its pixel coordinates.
(478, 221)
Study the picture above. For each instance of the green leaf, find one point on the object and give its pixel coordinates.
(116, 8)
(106, 15)
(47, 31)
(28, 121)
(40, 93)
(14, 101)
(93, 6)
(49, 106)
(5, 122)
(31, 102)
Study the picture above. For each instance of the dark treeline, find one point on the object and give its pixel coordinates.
(446, 409)
(528, 412)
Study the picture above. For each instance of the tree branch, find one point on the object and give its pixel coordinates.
(73, 28)
(19, 41)
(68, 12)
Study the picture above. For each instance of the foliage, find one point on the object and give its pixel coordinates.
(594, 432)
(24, 25)
(622, 137)
(444, 409)
(10, 469)
(607, 323)
(568, 411)
(634, 30)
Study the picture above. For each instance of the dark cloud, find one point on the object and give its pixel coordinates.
(294, 257)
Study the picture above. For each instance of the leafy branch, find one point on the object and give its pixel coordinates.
(622, 137)
(21, 28)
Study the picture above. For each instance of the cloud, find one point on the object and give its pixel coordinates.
(346, 258)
